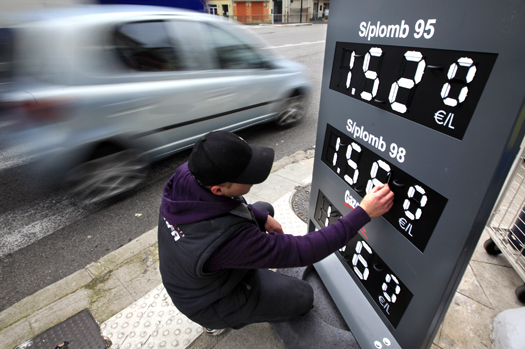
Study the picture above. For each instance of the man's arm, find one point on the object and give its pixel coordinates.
(250, 248)
(272, 226)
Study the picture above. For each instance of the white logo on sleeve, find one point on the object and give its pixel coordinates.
(175, 231)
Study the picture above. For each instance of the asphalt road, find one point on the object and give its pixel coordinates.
(45, 235)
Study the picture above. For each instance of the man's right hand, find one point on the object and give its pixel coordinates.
(378, 201)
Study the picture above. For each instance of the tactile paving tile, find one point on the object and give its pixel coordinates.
(80, 331)
(287, 218)
(151, 322)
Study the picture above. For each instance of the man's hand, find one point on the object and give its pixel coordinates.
(378, 201)
(273, 226)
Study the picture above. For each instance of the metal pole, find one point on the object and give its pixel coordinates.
(301, 13)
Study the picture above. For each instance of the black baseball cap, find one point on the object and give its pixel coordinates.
(222, 156)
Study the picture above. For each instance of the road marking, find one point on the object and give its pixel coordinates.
(300, 44)
(27, 225)
(14, 157)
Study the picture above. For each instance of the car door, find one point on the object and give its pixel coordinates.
(233, 86)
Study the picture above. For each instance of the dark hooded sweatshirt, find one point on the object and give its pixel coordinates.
(209, 246)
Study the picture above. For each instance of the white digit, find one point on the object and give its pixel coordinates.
(461, 64)
(377, 167)
(391, 283)
(393, 150)
(420, 201)
(407, 83)
(370, 73)
(401, 154)
(358, 258)
(430, 28)
(396, 152)
(353, 154)
(420, 27)
(337, 145)
(350, 66)
(327, 219)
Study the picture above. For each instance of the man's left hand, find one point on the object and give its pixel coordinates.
(273, 226)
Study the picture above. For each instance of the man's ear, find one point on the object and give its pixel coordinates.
(217, 190)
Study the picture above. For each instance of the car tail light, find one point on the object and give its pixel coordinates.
(44, 111)
(33, 113)
(29, 114)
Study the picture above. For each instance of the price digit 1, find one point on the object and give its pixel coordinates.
(351, 63)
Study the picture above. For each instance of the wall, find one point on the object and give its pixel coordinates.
(13, 5)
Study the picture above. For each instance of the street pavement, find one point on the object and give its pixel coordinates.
(124, 293)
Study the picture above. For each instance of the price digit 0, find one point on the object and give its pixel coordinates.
(465, 68)
(391, 288)
(379, 174)
(417, 199)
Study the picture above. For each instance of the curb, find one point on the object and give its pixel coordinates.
(296, 157)
(105, 287)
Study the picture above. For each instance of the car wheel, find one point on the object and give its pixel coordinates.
(107, 176)
(292, 110)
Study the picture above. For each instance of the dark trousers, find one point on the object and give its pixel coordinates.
(282, 297)
(262, 205)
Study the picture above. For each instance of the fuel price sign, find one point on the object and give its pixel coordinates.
(417, 207)
(439, 89)
(427, 98)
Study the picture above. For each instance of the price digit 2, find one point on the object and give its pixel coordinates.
(408, 83)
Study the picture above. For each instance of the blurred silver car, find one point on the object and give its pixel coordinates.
(103, 91)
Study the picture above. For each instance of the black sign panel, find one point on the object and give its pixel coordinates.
(417, 207)
(385, 288)
(382, 285)
(439, 89)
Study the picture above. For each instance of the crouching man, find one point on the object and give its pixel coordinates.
(215, 249)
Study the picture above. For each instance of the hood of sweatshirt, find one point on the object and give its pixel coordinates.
(185, 201)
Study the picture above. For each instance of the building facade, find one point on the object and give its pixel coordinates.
(270, 11)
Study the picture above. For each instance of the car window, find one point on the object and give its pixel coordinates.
(192, 43)
(146, 46)
(231, 52)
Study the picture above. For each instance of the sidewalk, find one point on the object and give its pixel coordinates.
(124, 293)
